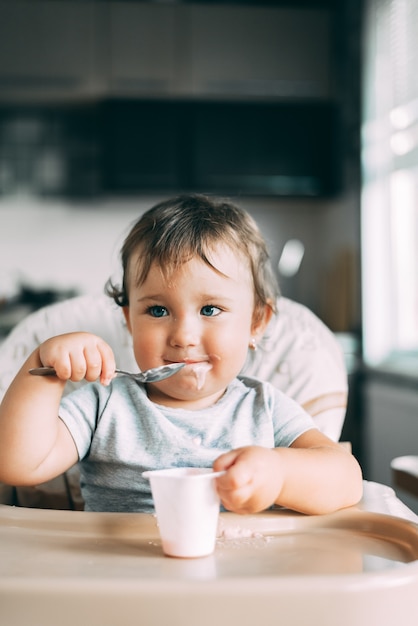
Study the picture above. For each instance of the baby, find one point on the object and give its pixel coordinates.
(197, 288)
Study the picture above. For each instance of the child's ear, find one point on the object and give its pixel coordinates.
(261, 318)
(125, 310)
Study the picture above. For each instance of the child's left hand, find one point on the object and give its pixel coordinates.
(253, 479)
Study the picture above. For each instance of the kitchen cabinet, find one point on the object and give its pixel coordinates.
(243, 51)
(142, 48)
(272, 148)
(222, 51)
(173, 96)
(49, 50)
(391, 425)
(75, 50)
(145, 145)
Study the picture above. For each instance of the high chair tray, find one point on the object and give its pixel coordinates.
(278, 566)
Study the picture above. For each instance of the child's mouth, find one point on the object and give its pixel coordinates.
(200, 366)
(200, 370)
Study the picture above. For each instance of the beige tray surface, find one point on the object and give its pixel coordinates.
(276, 543)
(108, 568)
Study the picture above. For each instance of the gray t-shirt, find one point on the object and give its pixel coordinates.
(119, 433)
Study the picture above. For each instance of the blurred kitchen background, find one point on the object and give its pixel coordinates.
(304, 112)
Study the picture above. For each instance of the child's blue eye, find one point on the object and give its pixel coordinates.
(210, 310)
(157, 311)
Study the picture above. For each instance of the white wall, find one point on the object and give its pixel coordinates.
(62, 245)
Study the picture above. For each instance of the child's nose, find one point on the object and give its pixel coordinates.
(185, 332)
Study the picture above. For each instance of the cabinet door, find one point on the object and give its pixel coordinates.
(258, 51)
(391, 429)
(144, 147)
(142, 48)
(47, 48)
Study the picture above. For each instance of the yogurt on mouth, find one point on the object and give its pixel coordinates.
(200, 370)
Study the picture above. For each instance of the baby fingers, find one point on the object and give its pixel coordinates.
(100, 362)
(78, 356)
(235, 488)
(237, 500)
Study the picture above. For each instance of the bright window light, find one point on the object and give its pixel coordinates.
(390, 184)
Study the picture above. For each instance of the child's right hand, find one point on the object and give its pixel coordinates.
(78, 356)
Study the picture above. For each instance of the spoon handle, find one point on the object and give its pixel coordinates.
(42, 371)
(45, 370)
(152, 375)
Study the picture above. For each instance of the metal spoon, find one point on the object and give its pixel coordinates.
(149, 376)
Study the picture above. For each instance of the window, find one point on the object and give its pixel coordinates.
(390, 185)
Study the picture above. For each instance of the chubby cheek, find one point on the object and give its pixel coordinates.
(146, 360)
(147, 355)
(230, 355)
(147, 349)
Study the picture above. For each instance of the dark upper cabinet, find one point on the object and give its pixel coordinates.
(220, 147)
(125, 97)
(275, 149)
(130, 146)
(142, 146)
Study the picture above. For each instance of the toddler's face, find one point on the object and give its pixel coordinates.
(201, 316)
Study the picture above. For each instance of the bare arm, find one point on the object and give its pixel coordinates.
(314, 476)
(35, 445)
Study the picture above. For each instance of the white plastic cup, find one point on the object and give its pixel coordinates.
(187, 508)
